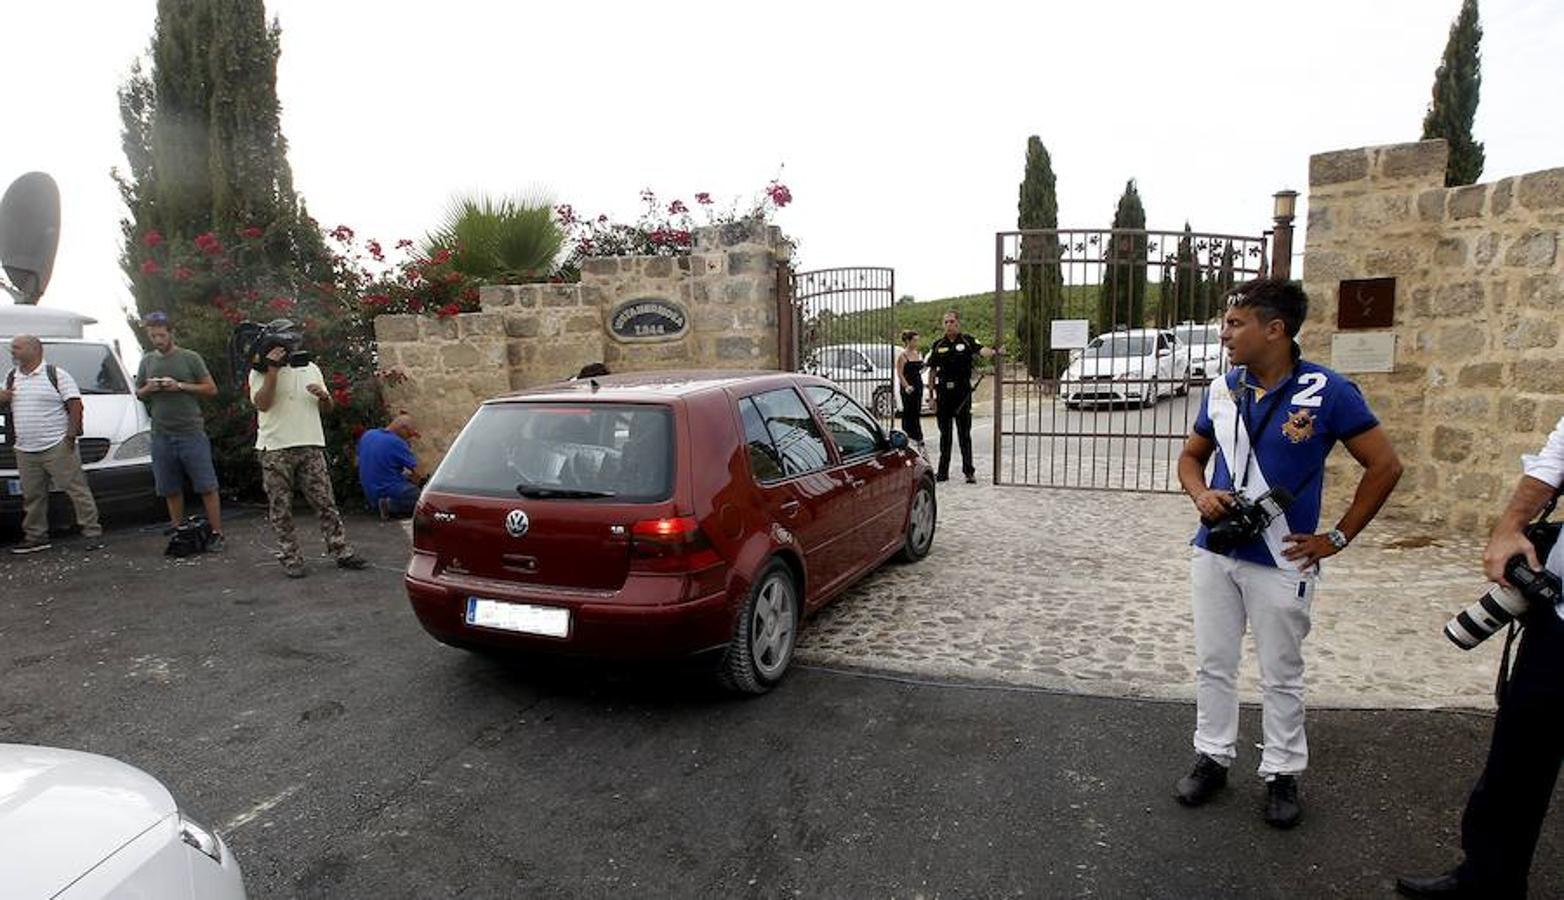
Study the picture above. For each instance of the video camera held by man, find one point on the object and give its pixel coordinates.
(252, 346)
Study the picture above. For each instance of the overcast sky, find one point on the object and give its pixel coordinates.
(899, 127)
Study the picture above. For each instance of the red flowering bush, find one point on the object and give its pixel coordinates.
(215, 281)
(661, 229)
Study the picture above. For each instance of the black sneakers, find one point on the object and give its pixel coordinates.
(31, 545)
(1202, 783)
(352, 561)
(1282, 809)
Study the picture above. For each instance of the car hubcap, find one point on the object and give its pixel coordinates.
(771, 629)
(922, 520)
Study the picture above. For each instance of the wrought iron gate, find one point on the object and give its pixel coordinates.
(841, 324)
(1109, 407)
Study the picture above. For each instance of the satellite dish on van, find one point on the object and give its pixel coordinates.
(29, 235)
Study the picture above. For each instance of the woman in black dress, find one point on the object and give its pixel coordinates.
(909, 378)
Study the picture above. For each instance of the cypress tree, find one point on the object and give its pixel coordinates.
(1454, 106)
(1122, 298)
(1189, 289)
(205, 153)
(1039, 277)
(214, 231)
(1226, 280)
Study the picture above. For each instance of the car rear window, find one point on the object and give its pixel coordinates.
(622, 452)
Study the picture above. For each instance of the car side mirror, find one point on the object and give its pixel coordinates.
(865, 368)
(897, 440)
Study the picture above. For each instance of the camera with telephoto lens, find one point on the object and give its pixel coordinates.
(1502, 605)
(1245, 520)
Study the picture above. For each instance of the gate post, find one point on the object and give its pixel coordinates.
(1283, 205)
(787, 321)
(999, 359)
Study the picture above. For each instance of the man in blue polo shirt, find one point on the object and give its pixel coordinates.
(387, 468)
(1271, 423)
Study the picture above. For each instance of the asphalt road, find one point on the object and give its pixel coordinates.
(345, 754)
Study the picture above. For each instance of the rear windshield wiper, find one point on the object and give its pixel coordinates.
(539, 492)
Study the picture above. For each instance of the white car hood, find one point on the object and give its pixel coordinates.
(1208, 352)
(63, 812)
(1097, 366)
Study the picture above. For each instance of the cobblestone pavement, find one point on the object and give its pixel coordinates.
(1088, 592)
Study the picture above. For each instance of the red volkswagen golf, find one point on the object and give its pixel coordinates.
(662, 515)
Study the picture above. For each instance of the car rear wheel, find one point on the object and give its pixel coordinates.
(884, 403)
(764, 636)
(922, 519)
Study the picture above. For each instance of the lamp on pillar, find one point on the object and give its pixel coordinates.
(1284, 205)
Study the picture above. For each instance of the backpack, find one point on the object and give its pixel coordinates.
(190, 537)
(7, 430)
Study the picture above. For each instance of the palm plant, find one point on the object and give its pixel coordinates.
(499, 240)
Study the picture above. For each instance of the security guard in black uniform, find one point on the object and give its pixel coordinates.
(950, 359)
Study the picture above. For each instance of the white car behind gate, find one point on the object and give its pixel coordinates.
(867, 372)
(1135, 366)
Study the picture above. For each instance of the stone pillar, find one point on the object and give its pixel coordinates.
(535, 334)
(1479, 304)
(446, 367)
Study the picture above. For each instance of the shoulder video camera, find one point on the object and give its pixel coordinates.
(1245, 520)
(253, 343)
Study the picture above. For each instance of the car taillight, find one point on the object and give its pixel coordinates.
(670, 545)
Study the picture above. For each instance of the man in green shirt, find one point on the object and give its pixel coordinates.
(168, 382)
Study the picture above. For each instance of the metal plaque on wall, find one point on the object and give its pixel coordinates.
(1366, 303)
(648, 319)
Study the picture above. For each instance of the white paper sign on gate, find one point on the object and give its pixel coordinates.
(1070, 334)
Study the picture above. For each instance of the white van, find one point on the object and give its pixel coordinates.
(116, 441)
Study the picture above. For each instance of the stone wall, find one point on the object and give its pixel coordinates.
(1479, 301)
(532, 334)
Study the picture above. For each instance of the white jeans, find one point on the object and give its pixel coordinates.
(1225, 593)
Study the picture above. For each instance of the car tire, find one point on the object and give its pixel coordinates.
(884, 403)
(764, 635)
(922, 520)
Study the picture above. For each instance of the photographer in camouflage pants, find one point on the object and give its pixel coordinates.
(291, 444)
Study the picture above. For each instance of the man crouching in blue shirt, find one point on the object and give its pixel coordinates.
(1271, 423)
(387, 468)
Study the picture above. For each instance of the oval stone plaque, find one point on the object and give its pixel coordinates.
(648, 319)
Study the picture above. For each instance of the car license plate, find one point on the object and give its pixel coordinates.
(13, 486)
(524, 618)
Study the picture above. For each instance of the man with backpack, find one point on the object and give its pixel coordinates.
(45, 421)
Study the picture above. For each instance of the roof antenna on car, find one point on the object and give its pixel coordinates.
(595, 386)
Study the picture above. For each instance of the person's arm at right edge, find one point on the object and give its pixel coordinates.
(1544, 471)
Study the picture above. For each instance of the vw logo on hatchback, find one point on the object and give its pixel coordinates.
(517, 523)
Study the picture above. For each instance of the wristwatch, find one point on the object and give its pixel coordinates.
(1336, 538)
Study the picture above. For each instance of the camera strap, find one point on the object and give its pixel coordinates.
(1501, 686)
(1245, 409)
